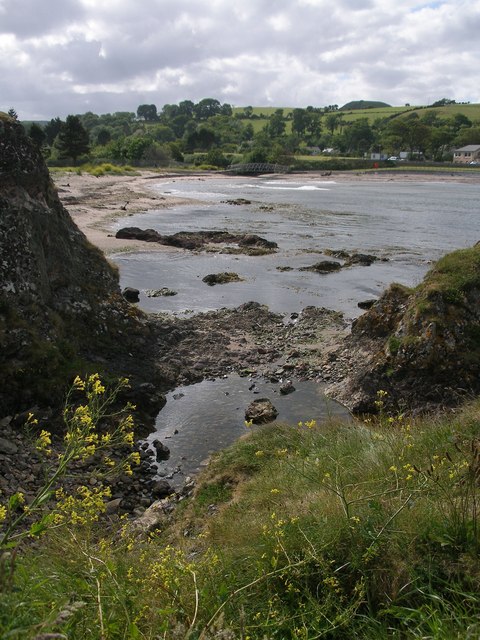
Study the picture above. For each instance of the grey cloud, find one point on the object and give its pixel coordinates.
(291, 52)
(27, 18)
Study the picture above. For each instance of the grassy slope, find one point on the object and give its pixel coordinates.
(335, 531)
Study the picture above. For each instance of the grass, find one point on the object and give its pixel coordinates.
(106, 168)
(305, 531)
(451, 279)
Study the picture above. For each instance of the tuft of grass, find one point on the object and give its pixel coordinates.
(455, 274)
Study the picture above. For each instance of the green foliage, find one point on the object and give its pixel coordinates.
(82, 440)
(453, 276)
(363, 104)
(306, 531)
(73, 139)
(208, 124)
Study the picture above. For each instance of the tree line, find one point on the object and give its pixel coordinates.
(212, 133)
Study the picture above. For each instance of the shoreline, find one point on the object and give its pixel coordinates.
(95, 203)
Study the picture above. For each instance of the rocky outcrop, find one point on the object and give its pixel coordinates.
(421, 346)
(200, 240)
(61, 310)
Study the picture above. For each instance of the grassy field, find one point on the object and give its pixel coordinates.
(472, 111)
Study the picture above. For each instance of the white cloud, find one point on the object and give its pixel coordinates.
(112, 55)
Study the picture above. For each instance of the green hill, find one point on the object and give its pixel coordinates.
(363, 104)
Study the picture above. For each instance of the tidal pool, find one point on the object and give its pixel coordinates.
(202, 418)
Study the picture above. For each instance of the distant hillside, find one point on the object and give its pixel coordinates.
(363, 104)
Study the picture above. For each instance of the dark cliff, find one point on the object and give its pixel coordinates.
(422, 345)
(61, 310)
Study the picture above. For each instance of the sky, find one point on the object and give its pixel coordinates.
(60, 57)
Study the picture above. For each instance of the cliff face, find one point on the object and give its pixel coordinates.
(61, 310)
(422, 346)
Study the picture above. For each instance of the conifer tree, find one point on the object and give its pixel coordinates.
(73, 139)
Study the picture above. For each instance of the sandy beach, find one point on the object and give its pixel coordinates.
(96, 202)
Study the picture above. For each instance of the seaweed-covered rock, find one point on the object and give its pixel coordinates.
(221, 278)
(324, 266)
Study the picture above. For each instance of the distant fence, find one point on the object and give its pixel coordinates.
(256, 168)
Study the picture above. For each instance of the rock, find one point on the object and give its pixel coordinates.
(337, 253)
(237, 201)
(418, 345)
(154, 516)
(261, 411)
(8, 447)
(364, 259)
(287, 388)
(366, 304)
(324, 266)
(157, 293)
(134, 233)
(131, 294)
(221, 278)
(199, 240)
(162, 452)
(60, 298)
(113, 506)
(161, 489)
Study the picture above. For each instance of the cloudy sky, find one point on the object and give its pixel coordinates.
(71, 56)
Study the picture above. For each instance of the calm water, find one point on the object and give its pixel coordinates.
(409, 224)
(210, 415)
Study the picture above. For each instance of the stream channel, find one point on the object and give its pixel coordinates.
(407, 224)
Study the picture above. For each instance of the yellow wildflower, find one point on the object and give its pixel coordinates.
(3, 512)
(78, 383)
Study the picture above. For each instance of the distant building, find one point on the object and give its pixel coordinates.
(465, 155)
(378, 156)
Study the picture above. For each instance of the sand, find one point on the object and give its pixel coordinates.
(96, 203)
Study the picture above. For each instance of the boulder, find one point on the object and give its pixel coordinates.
(131, 294)
(162, 452)
(162, 489)
(158, 513)
(261, 411)
(287, 388)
